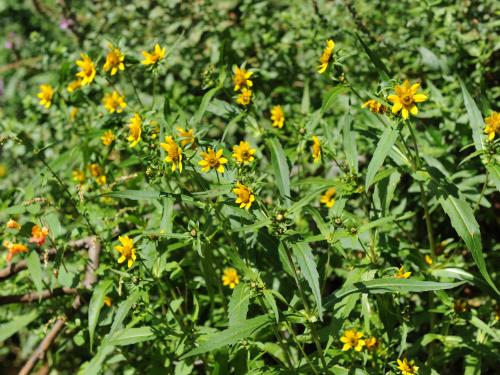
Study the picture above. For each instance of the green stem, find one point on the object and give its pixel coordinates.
(423, 196)
(133, 86)
(279, 337)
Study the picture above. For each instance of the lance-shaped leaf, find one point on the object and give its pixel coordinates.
(387, 285)
(463, 220)
(384, 146)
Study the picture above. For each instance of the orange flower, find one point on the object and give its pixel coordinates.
(14, 248)
(38, 235)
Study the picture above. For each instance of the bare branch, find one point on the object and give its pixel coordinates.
(94, 250)
(36, 296)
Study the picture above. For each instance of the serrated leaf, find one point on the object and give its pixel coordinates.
(383, 148)
(305, 259)
(95, 306)
(238, 304)
(476, 121)
(494, 170)
(128, 336)
(463, 220)
(229, 336)
(280, 168)
(387, 285)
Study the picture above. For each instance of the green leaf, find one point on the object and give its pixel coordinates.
(476, 121)
(238, 305)
(383, 148)
(351, 151)
(330, 95)
(94, 366)
(387, 285)
(463, 220)
(95, 306)
(478, 323)
(305, 259)
(380, 67)
(16, 324)
(35, 269)
(280, 167)
(130, 336)
(123, 310)
(268, 296)
(229, 336)
(494, 170)
(167, 215)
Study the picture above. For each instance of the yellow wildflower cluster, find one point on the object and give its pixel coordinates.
(242, 83)
(352, 340)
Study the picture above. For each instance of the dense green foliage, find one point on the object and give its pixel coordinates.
(404, 250)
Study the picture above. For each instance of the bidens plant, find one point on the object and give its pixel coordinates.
(291, 189)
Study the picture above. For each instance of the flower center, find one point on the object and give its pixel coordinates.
(407, 99)
(213, 162)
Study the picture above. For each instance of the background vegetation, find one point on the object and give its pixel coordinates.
(420, 194)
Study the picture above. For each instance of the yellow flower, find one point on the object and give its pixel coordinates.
(95, 170)
(230, 277)
(212, 160)
(14, 248)
(135, 128)
(245, 97)
(38, 235)
(108, 301)
(114, 102)
(371, 343)
(78, 176)
(3, 170)
(326, 56)
(108, 138)
(174, 153)
(114, 60)
(87, 70)
(101, 180)
(428, 260)
(74, 85)
(155, 56)
(241, 78)
(187, 137)
(405, 98)
(277, 116)
(243, 154)
(374, 106)
(12, 224)
(126, 250)
(492, 125)
(327, 198)
(401, 274)
(407, 368)
(244, 196)
(45, 95)
(316, 149)
(352, 340)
